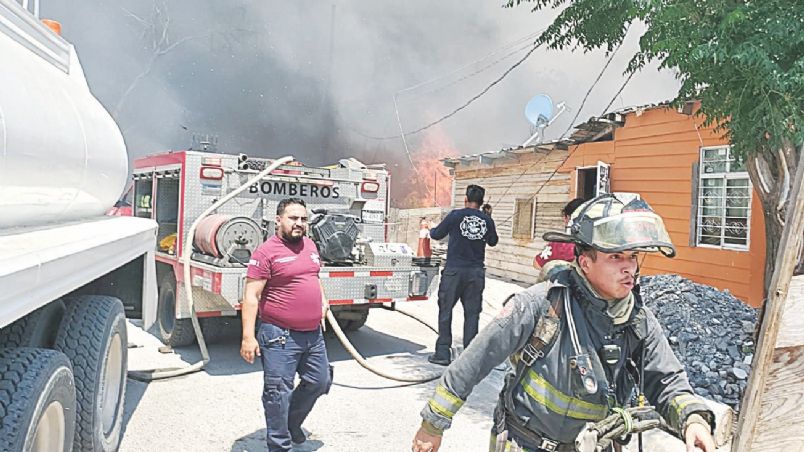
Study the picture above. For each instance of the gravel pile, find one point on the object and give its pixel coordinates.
(710, 331)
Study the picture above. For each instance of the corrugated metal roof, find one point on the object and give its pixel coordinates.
(594, 129)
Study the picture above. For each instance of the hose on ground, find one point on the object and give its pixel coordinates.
(362, 361)
(160, 374)
(412, 316)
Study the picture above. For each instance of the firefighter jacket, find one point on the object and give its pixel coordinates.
(554, 398)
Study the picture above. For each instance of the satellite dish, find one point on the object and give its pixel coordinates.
(539, 110)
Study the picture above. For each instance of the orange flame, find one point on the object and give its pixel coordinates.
(429, 184)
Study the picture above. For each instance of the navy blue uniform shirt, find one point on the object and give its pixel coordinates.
(469, 231)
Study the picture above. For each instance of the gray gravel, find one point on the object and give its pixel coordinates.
(710, 331)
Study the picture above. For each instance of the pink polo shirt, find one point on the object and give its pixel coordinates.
(292, 296)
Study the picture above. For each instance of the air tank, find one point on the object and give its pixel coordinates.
(62, 156)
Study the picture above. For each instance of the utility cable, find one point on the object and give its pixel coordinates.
(456, 110)
(572, 122)
(478, 71)
(589, 91)
(569, 153)
(476, 96)
(407, 151)
(622, 87)
(402, 133)
(468, 65)
(500, 49)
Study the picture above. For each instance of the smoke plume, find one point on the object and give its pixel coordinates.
(319, 80)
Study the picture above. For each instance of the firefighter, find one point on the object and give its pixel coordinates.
(464, 275)
(583, 343)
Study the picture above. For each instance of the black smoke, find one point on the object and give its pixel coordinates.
(317, 79)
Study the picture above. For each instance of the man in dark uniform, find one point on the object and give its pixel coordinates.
(464, 274)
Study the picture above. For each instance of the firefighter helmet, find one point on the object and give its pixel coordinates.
(606, 224)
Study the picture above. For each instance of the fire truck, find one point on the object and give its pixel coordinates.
(347, 202)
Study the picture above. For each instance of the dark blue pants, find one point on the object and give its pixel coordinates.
(302, 352)
(466, 284)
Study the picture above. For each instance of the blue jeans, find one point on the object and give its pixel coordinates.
(285, 353)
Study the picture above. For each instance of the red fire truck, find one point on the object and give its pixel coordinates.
(347, 201)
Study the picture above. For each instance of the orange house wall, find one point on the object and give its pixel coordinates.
(653, 155)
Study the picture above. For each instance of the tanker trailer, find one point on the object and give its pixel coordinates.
(69, 274)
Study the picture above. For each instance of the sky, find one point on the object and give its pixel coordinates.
(318, 80)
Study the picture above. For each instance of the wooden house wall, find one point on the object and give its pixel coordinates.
(653, 155)
(505, 181)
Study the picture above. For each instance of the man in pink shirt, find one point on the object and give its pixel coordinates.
(282, 286)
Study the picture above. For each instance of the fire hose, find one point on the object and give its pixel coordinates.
(159, 374)
(163, 373)
(362, 361)
(596, 437)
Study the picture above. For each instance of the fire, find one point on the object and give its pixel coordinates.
(429, 184)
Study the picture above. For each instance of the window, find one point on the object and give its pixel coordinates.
(523, 219)
(724, 200)
(143, 186)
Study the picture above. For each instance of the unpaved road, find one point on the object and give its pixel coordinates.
(220, 409)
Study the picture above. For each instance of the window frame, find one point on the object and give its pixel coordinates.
(726, 176)
(520, 235)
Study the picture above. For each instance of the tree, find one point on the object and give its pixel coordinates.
(743, 59)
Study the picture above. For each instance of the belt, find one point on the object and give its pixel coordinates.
(524, 436)
(532, 439)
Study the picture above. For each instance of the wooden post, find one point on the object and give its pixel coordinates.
(778, 373)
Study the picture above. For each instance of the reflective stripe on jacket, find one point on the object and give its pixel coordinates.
(551, 398)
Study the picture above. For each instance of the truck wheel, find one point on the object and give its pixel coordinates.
(37, 329)
(93, 335)
(174, 332)
(352, 319)
(216, 329)
(37, 401)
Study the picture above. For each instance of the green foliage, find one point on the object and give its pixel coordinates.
(743, 59)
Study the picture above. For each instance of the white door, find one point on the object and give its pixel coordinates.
(603, 183)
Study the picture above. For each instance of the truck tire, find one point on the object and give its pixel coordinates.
(174, 332)
(352, 319)
(93, 335)
(37, 329)
(37, 401)
(217, 329)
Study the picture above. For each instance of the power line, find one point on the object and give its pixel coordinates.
(435, 90)
(476, 96)
(618, 93)
(569, 153)
(470, 101)
(572, 122)
(467, 65)
(478, 71)
(453, 113)
(589, 91)
(407, 151)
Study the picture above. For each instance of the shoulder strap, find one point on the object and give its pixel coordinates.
(545, 330)
(543, 334)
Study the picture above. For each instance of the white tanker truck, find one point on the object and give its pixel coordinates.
(69, 275)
